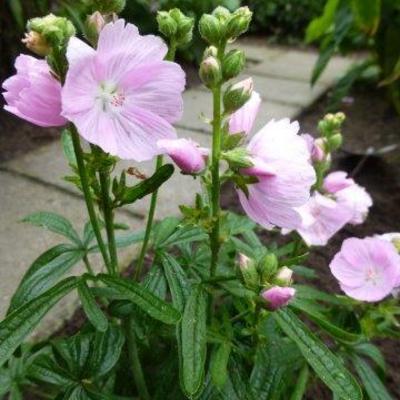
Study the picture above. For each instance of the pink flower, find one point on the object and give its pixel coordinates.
(33, 93)
(367, 269)
(284, 173)
(243, 119)
(322, 217)
(278, 296)
(123, 96)
(315, 147)
(349, 195)
(186, 154)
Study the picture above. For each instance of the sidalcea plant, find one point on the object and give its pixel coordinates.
(214, 312)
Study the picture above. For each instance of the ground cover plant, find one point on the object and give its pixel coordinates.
(214, 313)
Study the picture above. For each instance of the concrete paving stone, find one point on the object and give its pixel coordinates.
(21, 243)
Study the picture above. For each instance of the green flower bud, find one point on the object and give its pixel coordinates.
(211, 29)
(56, 31)
(185, 26)
(210, 51)
(166, 24)
(222, 13)
(237, 158)
(335, 141)
(108, 6)
(248, 271)
(36, 43)
(94, 24)
(268, 267)
(233, 64)
(238, 23)
(237, 95)
(210, 72)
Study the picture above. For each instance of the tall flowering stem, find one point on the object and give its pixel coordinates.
(153, 201)
(88, 196)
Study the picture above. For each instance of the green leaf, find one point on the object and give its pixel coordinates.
(68, 147)
(17, 12)
(373, 352)
(367, 14)
(301, 384)
(322, 61)
(45, 271)
(5, 381)
(122, 241)
(372, 384)
(219, 364)
(194, 341)
(55, 223)
(184, 234)
(147, 186)
(326, 365)
(91, 308)
(143, 298)
(21, 322)
(177, 281)
(323, 322)
(319, 26)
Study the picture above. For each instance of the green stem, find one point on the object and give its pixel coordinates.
(87, 265)
(149, 225)
(134, 359)
(108, 213)
(88, 196)
(215, 180)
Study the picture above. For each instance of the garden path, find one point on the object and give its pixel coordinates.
(33, 182)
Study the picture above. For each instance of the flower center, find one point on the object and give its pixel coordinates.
(110, 97)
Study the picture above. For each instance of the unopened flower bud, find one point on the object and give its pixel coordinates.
(237, 158)
(248, 271)
(277, 297)
(222, 13)
(108, 6)
(268, 267)
(239, 22)
(210, 71)
(211, 29)
(318, 150)
(284, 276)
(335, 141)
(94, 24)
(55, 30)
(166, 24)
(233, 64)
(185, 24)
(210, 51)
(36, 43)
(237, 95)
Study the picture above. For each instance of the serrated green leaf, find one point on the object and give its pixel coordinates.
(45, 271)
(372, 384)
(177, 281)
(325, 364)
(91, 308)
(21, 322)
(185, 234)
(219, 364)
(55, 223)
(194, 341)
(143, 298)
(147, 186)
(122, 241)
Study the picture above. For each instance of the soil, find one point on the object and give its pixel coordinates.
(371, 127)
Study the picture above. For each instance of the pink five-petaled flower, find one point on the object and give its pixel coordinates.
(322, 217)
(281, 163)
(123, 96)
(278, 296)
(34, 94)
(243, 119)
(367, 269)
(349, 195)
(186, 154)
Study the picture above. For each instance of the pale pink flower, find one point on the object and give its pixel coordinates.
(242, 120)
(278, 296)
(187, 154)
(315, 147)
(34, 94)
(281, 163)
(367, 269)
(392, 237)
(322, 217)
(349, 195)
(123, 96)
